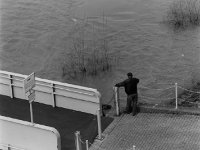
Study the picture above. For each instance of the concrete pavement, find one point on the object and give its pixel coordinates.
(151, 131)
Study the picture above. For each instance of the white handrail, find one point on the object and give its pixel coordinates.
(188, 90)
(75, 91)
(156, 89)
(50, 81)
(61, 94)
(95, 92)
(170, 98)
(12, 147)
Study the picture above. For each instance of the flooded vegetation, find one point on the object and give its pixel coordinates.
(184, 13)
(89, 52)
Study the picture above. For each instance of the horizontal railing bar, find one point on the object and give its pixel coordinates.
(8, 145)
(56, 93)
(42, 91)
(5, 77)
(16, 85)
(188, 90)
(11, 84)
(4, 83)
(51, 87)
(50, 81)
(44, 84)
(17, 79)
(156, 89)
(10, 78)
(65, 89)
(74, 91)
(74, 97)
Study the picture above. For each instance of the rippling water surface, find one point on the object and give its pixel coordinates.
(35, 34)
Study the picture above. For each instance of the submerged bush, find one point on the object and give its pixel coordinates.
(89, 51)
(183, 13)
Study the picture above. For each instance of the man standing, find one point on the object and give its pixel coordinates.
(130, 86)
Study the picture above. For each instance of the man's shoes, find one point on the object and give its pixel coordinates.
(126, 112)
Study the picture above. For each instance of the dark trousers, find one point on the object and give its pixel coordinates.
(132, 103)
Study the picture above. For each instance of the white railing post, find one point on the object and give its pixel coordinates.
(31, 111)
(87, 145)
(53, 95)
(134, 147)
(176, 93)
(24, 91)
(116, 90)
(99, 124)
(9, 148)
(11, 86)
(77, 141)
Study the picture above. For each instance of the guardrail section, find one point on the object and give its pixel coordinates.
(53, 93)
(22, 135)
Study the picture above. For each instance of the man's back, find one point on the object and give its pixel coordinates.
(131, 86)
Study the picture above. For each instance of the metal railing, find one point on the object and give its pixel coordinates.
(176, 88)
(10, 147)
(85, 96)
(79, 141)
(51, 92)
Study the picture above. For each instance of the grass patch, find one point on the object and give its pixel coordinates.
(191, 98)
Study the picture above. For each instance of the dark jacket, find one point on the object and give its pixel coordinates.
(130, 85)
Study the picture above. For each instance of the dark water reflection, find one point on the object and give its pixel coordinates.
(35, 36)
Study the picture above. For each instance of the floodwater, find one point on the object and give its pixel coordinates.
(34, 37)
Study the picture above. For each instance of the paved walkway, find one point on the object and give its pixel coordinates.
(151, 131)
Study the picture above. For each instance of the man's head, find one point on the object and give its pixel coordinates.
(130, 75)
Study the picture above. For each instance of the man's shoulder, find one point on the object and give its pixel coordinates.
(135, 79)
(131, 80)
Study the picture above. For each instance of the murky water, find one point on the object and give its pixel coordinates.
(35, 34)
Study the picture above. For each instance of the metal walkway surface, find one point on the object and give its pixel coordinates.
(151, 131)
